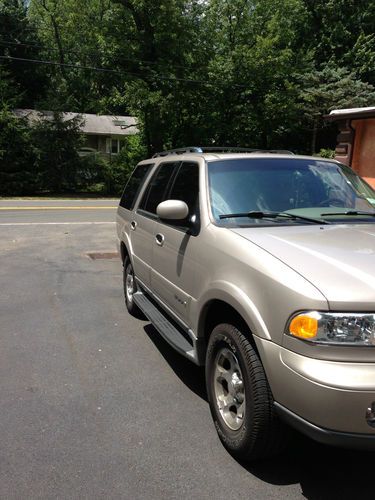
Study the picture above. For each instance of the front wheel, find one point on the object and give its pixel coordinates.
(240, 398)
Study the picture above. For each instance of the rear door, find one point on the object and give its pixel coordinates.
(127, 221)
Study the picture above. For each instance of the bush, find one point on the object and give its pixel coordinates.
(56, 142)
(17, 156)
(42, 157)
(326, 153)
(119, 168)
(90, 174)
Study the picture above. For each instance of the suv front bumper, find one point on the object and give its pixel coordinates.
(327, 400)
(326, 436)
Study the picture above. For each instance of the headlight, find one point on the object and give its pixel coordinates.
(334, 328)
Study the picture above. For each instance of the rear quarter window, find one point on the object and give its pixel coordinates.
(134, 185)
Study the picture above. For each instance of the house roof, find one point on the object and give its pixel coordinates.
(353, 113)
(92, 124)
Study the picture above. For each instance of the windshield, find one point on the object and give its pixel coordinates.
(310, 188)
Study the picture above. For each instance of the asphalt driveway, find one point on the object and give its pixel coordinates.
(94, 404)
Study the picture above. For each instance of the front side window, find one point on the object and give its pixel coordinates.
(310, 188)
(186, 187)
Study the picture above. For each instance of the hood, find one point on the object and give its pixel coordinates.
(339, 259)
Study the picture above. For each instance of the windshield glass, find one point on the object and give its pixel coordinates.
(297, 186)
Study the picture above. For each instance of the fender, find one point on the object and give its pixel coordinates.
(124, 238)
(236, 298)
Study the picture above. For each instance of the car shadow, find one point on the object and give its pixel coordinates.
(189, 373)
(323, 472)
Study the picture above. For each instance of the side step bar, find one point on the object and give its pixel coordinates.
(166, 328)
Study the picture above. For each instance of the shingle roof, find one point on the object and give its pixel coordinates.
(93, 124)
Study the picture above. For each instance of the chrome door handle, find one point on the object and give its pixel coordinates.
(133, 225)
(159, 238)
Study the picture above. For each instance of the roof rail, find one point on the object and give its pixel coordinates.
(218, 149)
(179, 151)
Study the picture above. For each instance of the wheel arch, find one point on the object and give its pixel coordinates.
(124, 252)
(225, 300)
(218, 311)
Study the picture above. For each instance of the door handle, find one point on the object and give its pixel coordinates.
(159, 238)
(133, 225)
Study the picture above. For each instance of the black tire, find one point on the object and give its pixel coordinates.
(250, 428)
(127, 276)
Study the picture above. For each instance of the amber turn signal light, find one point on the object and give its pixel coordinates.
(303, 327)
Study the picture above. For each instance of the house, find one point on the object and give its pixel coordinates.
(104, 134)
(356, 140)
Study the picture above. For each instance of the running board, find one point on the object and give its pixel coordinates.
(165, 327)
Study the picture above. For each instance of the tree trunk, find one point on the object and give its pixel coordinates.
(314, 136)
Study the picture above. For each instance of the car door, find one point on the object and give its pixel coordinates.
(175, 245)
(128, 222)
(144, 220)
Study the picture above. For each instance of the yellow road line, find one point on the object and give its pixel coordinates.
(58, 208)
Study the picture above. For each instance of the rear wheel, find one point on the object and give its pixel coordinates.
(240, 398)
(130, 287)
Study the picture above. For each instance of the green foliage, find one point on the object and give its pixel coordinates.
(117, 170)
(19, 39)
(17, 156)
(334, 27)
(90, 174)
(56, 141)
(257, 73)
(326, 153)
(331, 88)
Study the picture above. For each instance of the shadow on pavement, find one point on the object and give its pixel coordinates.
(324, 472)
(189, 373)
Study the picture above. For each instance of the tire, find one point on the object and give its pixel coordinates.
(240, 398)
(130, 287)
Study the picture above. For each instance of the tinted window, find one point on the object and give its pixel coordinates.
(158, 186)
(186, 186)
(134, 185)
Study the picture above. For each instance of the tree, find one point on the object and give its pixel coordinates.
(57, 141)
(159, 50)
(335, 27)
(257, 55)
(73, 37)
(19, 40)
(322, 91)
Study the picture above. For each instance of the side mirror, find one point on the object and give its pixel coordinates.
(172, 210)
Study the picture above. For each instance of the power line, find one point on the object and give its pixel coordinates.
(55, 63)
(107, 70)
(70, 51)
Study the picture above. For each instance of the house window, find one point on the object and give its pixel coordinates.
(113, 146)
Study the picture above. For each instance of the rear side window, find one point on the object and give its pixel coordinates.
(134, 185)
(158, 186)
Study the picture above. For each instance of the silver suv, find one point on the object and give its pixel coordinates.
(260, 266)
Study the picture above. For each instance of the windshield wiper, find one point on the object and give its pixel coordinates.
(350, 212)
(272, 215)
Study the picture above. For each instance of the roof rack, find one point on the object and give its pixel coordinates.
(219, 149)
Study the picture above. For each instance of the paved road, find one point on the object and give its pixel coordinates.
(38, 211)
(93, 404)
